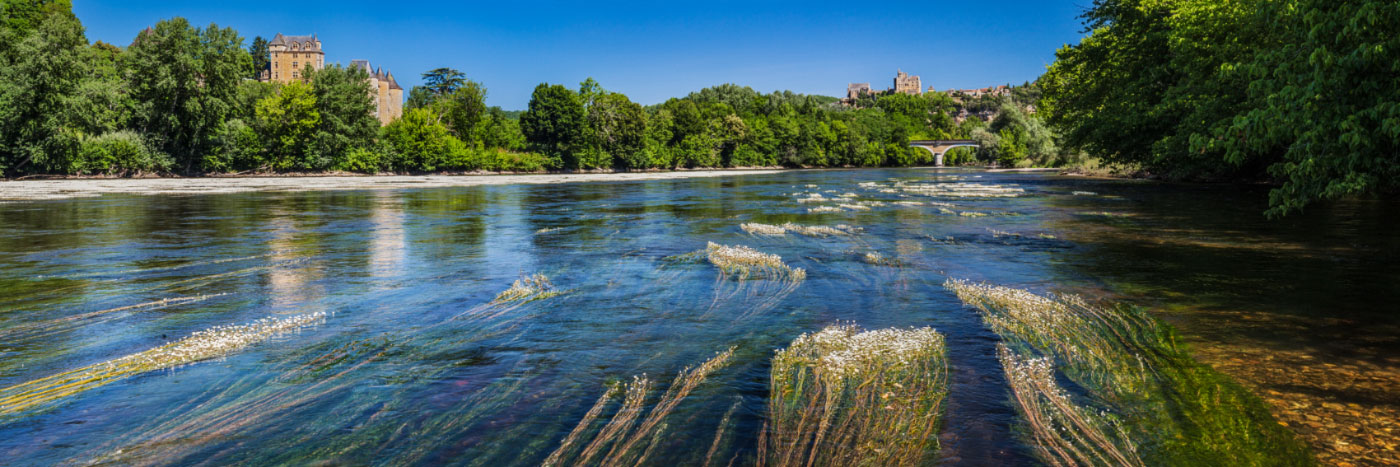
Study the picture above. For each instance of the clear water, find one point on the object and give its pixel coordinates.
(408, 368)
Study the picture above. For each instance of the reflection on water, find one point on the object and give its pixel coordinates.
(415, 363)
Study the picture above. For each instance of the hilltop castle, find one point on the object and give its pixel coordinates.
(904, 83)
(290, 55)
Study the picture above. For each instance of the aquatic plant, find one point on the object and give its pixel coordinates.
(763, 229)
(812, 198)
(1175, 410)
(629, 438)
(201, 345)
(875, 258)
(1062, 432)
(854, 207)
(842, 396)
(742, 262)
(527, 289)
(972, 214)
(907, 203)
(821, 209)
(1084, 193)
(821, 230)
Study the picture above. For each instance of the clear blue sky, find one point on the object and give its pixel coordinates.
(648, 50)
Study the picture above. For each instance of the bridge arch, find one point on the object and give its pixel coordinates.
(940, 147)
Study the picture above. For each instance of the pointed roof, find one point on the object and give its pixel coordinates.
(281, 39)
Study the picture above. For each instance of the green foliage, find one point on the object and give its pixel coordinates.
(47, 85)
(262, 58)
(443, 81)
(617, 131)
(185, 84)
(240, 147)
(555, 123)
(289, 120)
(1300, 91)
(346, 111)
(118, 153)
(421, 142)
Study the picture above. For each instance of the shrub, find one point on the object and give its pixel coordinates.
(118, 153)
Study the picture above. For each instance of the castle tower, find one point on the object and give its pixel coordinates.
(384, 90)
(289, 56)
(907, 84)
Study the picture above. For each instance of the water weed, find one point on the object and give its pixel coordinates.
(843, 396)
(629, 438)
(202, 345)
(1175, 410)
(528, 289)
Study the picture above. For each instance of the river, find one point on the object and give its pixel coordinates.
(406, 358)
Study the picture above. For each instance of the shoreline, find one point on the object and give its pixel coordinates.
(88, 187)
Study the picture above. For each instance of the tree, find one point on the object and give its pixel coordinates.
(38, 111)
(443, 81)
(463, 110)
(554, 123)
(185, 82)
(421, 141)
(289, 120)
(346, 114)
(617, 129)
(262, 59)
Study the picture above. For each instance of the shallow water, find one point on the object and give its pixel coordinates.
(413, 365)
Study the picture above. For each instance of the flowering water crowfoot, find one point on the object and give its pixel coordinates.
(842, 396)
(211, 343)
(528, 289)
(745, 263)
(1175, 410)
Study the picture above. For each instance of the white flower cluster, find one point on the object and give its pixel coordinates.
(215, 342)
(810, 231)
(952, 190)
(763, 229)
(843, 350)
(747, 262)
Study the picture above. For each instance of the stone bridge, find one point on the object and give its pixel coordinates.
(941, 146)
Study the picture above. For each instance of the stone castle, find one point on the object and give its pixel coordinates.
(290, 55)
(904, 83)
(388, 104)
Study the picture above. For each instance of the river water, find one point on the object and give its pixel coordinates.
(412, 364)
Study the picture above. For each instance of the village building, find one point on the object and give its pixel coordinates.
(904, 83)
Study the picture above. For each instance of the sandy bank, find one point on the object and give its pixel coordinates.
(20, 190)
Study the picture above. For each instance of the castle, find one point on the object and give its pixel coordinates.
(288, 57)
(904, 83)
(388, 102)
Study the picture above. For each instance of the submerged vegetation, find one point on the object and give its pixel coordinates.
(202, 345)
(528, 289)
(628, 438)
(842, 396)
(1172, 409)
(743, 263)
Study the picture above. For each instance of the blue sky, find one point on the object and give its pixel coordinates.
(648, 50)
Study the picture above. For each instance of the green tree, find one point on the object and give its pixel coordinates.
(40, 100)
(443, 81)
(346, 113)
(463, 110)
(262, 59)
(289, 120)
(421, 142)
(618, 129)
(554, 123)
(185, 82)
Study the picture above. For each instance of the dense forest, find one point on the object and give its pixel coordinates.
(181, 99)
(1301, 93)
(1304, 94)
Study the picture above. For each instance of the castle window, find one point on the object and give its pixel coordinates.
(295, 46)
(294, 75)
(294, 64)
(308, 46)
